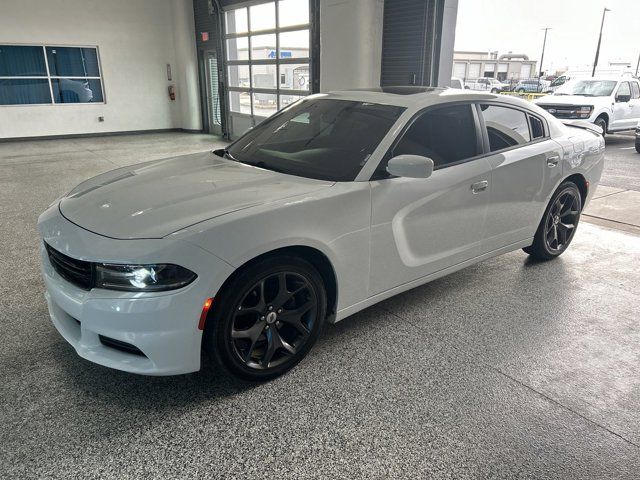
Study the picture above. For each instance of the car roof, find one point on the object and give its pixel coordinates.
(417, 97)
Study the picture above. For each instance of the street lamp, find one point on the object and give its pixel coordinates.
(595, 61)
(544, 43)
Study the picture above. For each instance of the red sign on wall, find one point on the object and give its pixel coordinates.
(204, 36)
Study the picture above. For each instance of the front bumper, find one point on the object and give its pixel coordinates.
(162, 326)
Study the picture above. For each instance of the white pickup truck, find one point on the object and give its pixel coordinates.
(487, 84)
(612, 103)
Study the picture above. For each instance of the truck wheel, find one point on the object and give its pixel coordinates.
(602, 123)
(638, 147)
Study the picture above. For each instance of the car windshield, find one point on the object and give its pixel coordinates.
(493, 80)
(588, 88)
(321, 138)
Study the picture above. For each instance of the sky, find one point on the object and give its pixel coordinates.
(516, 25)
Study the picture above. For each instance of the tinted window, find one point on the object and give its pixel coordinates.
(445, 135)
(54, 75)
(22, 61)
(74, 90)
(506, 127)
(635, 90)
(537, 128)
(23, 91)
(73, 62)
(319, 138)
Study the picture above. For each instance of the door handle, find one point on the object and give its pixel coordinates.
(479, 186)
(553, 161)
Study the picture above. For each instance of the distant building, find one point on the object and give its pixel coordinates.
(509, 66)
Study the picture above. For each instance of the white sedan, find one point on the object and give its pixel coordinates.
(333, 204)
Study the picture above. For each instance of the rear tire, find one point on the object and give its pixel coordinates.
(559, 223)
(638, 147)
(267, 318)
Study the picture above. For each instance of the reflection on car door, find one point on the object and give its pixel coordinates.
(421, 226)
(622, 111)
(526, 165)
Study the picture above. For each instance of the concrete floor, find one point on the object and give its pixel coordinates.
(507, 369)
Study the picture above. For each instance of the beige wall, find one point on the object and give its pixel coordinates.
(136, 40)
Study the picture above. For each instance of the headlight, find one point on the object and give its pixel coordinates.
(584, 111)
(142, 278)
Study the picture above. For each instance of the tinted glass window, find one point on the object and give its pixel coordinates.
(537, 128)
(445, 135)
(22, 61)
(73, 62)
(635, 90)
(23, 91)
(76, 90)
(317, 138)
(506, 127)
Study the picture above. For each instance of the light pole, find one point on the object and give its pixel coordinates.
(544, 44)
(595, 61)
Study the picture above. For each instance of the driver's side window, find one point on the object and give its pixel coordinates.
(624, 90)
(446, 135)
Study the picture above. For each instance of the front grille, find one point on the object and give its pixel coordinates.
(561, 111)
(77, 272)
(120, 345)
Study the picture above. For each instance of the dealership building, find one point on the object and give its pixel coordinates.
(89, 67)
(508, 66)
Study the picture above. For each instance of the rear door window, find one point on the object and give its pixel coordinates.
(506, 127)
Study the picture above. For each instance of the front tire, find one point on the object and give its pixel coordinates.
(638, 147)
(558, 224)
(602, 123)
(267, 318)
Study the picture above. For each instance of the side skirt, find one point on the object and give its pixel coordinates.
(345, 312)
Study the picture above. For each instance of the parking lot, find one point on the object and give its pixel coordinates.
(509, 368)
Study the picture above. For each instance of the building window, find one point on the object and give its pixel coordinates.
(34, 75)
(267, 56)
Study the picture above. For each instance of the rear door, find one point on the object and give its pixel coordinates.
(526, 166)
(635, 102)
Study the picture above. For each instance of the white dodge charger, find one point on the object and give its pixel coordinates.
(331, 205)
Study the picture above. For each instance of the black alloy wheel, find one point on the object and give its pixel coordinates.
(268, 318)
(559, 223)
(562, 220)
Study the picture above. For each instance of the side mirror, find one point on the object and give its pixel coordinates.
(411, 166)
(623, 98)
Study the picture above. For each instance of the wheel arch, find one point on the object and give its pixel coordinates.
(581, 182)
(319, 260)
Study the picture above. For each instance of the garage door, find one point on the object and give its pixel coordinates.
(460, 69)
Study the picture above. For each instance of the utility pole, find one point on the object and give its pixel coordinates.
(544, 44)
(637, 65)
(595, 61)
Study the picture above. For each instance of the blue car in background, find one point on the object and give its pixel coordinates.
(532, 85)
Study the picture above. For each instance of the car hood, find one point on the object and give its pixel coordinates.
(161, 197)
(566, 100)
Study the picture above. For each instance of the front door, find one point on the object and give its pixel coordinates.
(622, 117)
(422, 226)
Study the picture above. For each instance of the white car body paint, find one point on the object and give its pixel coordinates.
(212, 215)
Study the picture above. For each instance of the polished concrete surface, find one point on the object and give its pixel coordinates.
(507, 369)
